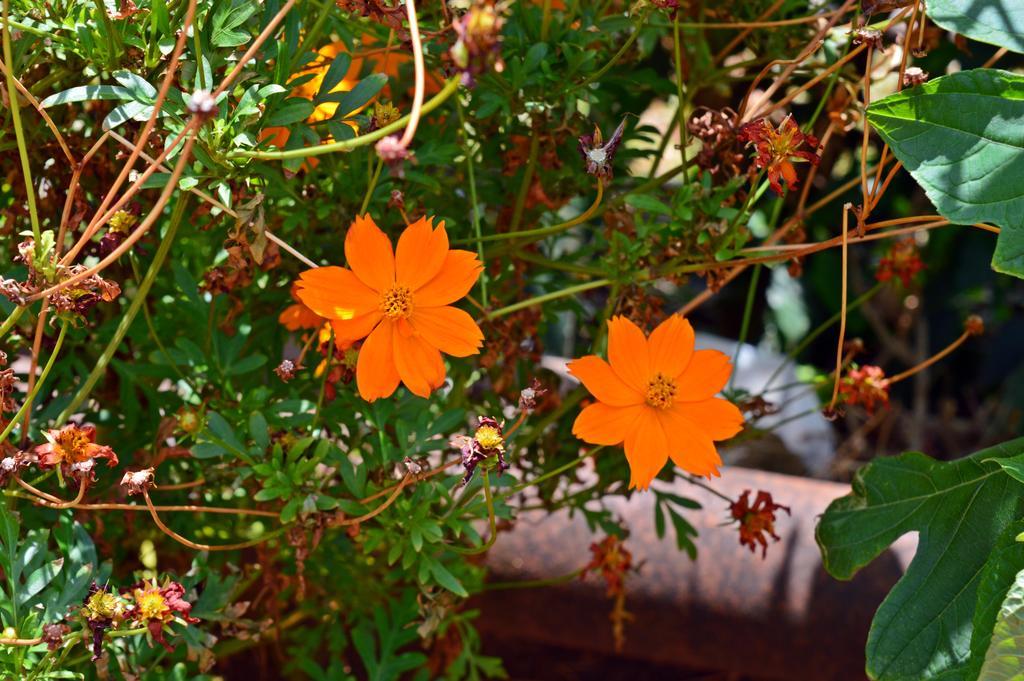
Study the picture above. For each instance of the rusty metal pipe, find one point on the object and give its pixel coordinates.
(729, 611)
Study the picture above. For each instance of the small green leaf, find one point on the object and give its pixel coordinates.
(447, 579)
(292, 110)
(335, 74)
(363, 92)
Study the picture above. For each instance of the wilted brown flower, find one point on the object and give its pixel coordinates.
(756, 520)
(719, 152)
(913, 76)
(74, 449)
(778, 148)
(156, 606)
(487, 441)
(599, 154)
(866, 386)
(902, 262)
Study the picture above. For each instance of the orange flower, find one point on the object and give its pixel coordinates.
(298, 316)
(400, 302)
(657, 396)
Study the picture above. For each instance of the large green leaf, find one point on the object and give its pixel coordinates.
(997, 643)
(962, 138)
(999, 22)
(960, 510)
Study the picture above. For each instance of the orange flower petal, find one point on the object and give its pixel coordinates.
(691, 446)
(720, 419)
(376, 375)
(449, 329)
(600, 424)
(627, 353)
(421, 253)
(298, 316)
(458, 274)
(335, 293)
(646, 449)
(348, 331)
(369, 254)
(418, 362)
(706, 374)
(671, 346)
(603, 383)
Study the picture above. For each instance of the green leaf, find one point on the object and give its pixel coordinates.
(363, 92)
(335, 74)
(997, 22)
(447, 579)
(226, 21)
(962, 138)
(959, 509)
(1004, 660)
(648, 203)
(87, 93)
(1004, 563)
(139, 86)
(292, 110)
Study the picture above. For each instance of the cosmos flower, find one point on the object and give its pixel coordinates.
(400, 302)
(778, 148)
(657, 395)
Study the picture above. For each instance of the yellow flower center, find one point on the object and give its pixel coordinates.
(152, 604)
(661, 391)
(489, 437)
(396, 302)
(73, 445)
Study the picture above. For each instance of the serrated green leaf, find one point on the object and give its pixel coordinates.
(962, 138)
(997, 22)
(959, 509)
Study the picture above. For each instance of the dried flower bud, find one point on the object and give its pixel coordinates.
(136, 482)
(914, 76)
(528, 396)
(868, 36)
(397, 199)
(285, 370)
(202, 104)
(391, 149)
(974, 325)
(53, 635)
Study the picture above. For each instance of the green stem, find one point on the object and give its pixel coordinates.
(471, 175)
(19, 134)
(524, 186)
(371, 186)
(617, 56)
(822, 328)
(541, 232)
(11, 320)
(26, 405)
(554, 295)
(491, 521)
(316, 29)
(129, 315)
(550, 474)
(533, 583)
(347, 145)
(703, 485)
(108, 26)
(748, 309)
(684, 134)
